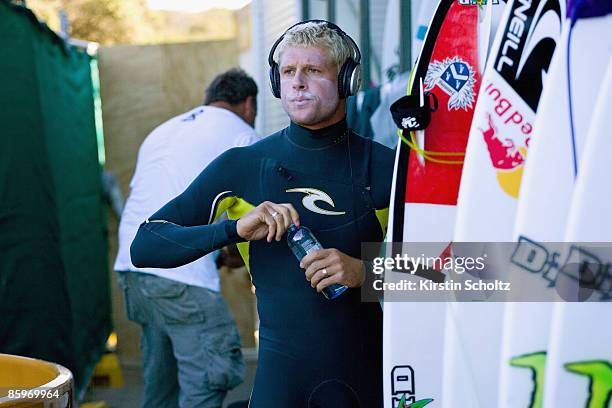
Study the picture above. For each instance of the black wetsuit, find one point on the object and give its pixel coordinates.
(313, 352)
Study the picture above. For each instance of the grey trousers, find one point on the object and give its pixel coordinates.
(190, 344)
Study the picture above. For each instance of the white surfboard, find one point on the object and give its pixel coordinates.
(423, 202)
(486, 208)
(545, 195)
(579, 363)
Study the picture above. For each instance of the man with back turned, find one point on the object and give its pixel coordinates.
(190, 343)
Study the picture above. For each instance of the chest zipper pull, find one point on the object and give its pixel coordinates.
(284, 173)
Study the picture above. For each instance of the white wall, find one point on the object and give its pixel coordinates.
(270, 20)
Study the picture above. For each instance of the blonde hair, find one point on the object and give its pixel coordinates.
(317, 34)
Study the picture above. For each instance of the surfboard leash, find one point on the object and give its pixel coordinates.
(412, 113)
(430, 155)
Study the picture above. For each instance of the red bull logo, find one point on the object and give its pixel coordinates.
(507, 145)
(504, 153)
(506, 157)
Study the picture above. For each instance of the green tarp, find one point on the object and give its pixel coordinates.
(54, 282)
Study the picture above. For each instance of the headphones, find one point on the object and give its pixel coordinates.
(349, 76)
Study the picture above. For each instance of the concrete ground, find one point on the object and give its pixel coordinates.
(130, 395)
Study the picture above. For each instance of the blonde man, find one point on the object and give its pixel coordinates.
(314, 352)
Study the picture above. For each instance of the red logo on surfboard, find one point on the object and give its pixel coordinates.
(507, 158)
(507, 134)
(504, 153)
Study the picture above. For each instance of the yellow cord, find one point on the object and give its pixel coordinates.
(427, 154)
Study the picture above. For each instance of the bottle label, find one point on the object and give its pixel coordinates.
(310, 246)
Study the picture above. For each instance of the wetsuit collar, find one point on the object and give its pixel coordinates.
(319, 138)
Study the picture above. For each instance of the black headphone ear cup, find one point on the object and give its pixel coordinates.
(275, 80)
(354, 78)
(348, 84)
(343, 91)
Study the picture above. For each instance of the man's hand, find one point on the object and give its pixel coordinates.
(268, 220)
(328, 266)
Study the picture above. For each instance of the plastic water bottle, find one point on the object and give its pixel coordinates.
(302, 241)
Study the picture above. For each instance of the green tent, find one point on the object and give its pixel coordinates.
(54, 283)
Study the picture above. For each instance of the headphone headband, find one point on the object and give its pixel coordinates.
(330, 25)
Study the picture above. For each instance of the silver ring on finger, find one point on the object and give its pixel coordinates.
(274, 214)
(324, 272)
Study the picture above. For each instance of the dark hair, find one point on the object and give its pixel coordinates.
(232, 86)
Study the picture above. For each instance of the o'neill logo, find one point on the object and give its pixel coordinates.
(455, 77)
(599, 373)
(312, 196)
(402, 389)
(530, 38)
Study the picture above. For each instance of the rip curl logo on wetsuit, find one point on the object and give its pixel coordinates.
(312, 196)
